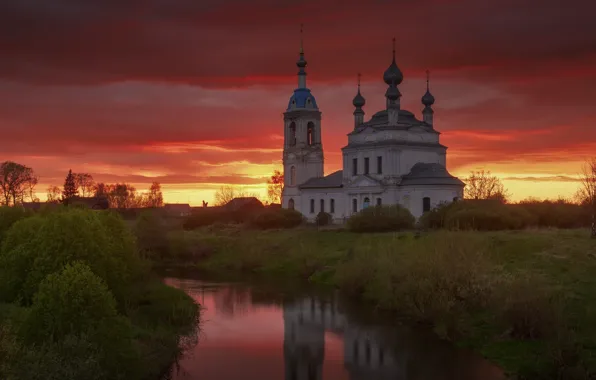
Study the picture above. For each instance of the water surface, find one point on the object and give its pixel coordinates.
(249, 333)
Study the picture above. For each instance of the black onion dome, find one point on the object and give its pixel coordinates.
(392, 92)
(359, 100)
(428, 99)
(393, 74)
(301, 61)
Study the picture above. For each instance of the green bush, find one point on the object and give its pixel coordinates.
(152, 236)
(96, 239)
(272, 218)
(381, 219)
(8, 217)
(202, 218)
(324, 219)
(70, 302)
(559, 214)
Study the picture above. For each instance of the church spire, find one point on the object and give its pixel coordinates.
(358, 102)
(428, 100)
(301, 63)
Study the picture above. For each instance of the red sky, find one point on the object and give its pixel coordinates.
(191, 93)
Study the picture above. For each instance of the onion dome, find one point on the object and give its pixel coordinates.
(392, 92)
(428, 99)
(393, 74)
(359, 100)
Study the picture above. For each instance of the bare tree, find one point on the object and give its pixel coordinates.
(275, 187)
(483, 185)
(54, 193)
(228, 192)
(16, 183)
(155, 196)
(85, 183)
(121, 195)
(587, 191)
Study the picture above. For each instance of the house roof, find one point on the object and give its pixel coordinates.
(237, 203)
(332, 180)
(177, 206)
(429, 174)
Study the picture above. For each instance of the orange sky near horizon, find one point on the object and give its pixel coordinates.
(192, 94)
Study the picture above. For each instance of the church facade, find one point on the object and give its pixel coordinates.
(393, 158)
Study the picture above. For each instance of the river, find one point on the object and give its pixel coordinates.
(252, 332)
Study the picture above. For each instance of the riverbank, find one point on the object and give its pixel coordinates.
(524, 299)
(77, 302)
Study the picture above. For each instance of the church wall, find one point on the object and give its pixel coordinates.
(412, 197)
(326, 195)
(409, 157)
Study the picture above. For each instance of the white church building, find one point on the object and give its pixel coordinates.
(393, 158)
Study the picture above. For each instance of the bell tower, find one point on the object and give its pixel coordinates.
(303, 149)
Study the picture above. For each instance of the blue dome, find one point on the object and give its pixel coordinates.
(301, 98)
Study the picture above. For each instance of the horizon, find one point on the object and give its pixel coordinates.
(192, 95)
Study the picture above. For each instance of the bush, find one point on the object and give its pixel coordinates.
(71, 302)
(202, 218)
(101, 241)
(324, 219)
(151, 234)
(271, 218)
(8, 217)
(381, 219)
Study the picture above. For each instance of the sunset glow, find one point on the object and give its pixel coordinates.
(191, 94)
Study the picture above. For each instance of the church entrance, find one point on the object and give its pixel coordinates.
(366, 203)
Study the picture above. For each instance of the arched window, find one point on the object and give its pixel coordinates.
(312, 206)
(425, 204)
(354, 205)
(366, 203)
(292, 141)
(291, 204)
(293, 176)
(322, 205)
(332, 206)
(379, 201)
(310, 133)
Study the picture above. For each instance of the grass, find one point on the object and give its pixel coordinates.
(524, 299)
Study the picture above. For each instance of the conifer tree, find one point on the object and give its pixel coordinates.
(70, 187)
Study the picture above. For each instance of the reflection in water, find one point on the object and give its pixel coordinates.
(248, 334)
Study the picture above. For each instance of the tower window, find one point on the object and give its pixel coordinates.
(312, 206)
(354, 205)
(332, 206)
(292, 141)
(310, 133)
(379, 165)
(293, 176)
(366, 162)
(425, 204)
(354, 166)
(322, 205)
(291, 204)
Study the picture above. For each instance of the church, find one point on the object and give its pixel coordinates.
(393, 158)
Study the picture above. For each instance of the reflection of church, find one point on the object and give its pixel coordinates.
(365, 354)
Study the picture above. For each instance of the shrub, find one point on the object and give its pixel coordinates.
(72, 301)
(324, 218)
(381, 219)
(271, 218)
(101, 241)
(8, 217)
(484, 215)
(202, 218)
(151, 234)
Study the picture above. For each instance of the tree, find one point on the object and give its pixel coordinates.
(587, 191)
(275, 187)
(70, 187)
(84, 183)
(54, 193)
(228, 192)
(16, 182)
(483, 185)
(155, 196)
(101, 190)
(122, 195)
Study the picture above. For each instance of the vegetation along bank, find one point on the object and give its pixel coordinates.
(522, 296)
(78, 302)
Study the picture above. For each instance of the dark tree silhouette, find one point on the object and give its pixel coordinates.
(16, 183)
(70, 187)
